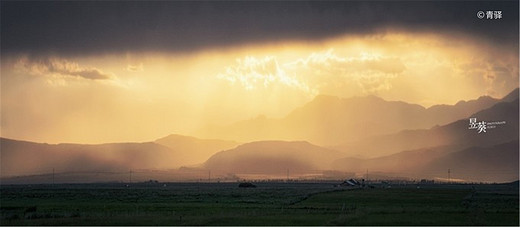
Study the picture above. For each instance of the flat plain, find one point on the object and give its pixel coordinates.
(155, 203)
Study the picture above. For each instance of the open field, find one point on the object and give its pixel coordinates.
(268, 204)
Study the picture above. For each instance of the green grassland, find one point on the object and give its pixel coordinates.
(267, 204)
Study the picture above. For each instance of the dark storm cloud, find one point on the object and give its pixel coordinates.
(73, 28)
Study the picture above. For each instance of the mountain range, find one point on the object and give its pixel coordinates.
(193, 150)
(422, 152)
(26, 158)
(329, 120)
(273, 157)
(173, 151)
(455, 133)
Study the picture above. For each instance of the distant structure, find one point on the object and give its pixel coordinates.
(351, 183)
(426, 181)
(246, 185)
(354, 183)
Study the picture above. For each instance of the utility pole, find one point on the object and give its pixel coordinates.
(449, 176)
(287, 175)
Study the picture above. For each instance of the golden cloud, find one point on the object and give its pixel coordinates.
(59, 68)
(251, 72)
(313, 73)
(135, 68)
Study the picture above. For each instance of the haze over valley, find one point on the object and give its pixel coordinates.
(227, 91)
(416, 150)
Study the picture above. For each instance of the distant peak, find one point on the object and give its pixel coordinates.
(278, 142)
(336, 98)
(485, 97)
(326, 97)
(371, 97)
(321, 100)
(513, 95)
(176, 136)
(367, 98)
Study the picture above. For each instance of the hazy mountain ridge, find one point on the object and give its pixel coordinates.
(396, 163)
(273, 157)
(488, 156)
(423, 151)
(22, 157)
(194, 150)
(402, 153)
(451, 134)
(515, 94)
(329, 120)
(498, 163)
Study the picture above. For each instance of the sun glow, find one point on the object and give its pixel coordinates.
(148, 95)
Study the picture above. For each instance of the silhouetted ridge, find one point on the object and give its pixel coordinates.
(273, 157)
(329, 120)
(513, 95)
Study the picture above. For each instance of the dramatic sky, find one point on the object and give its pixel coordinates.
(94, 71)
